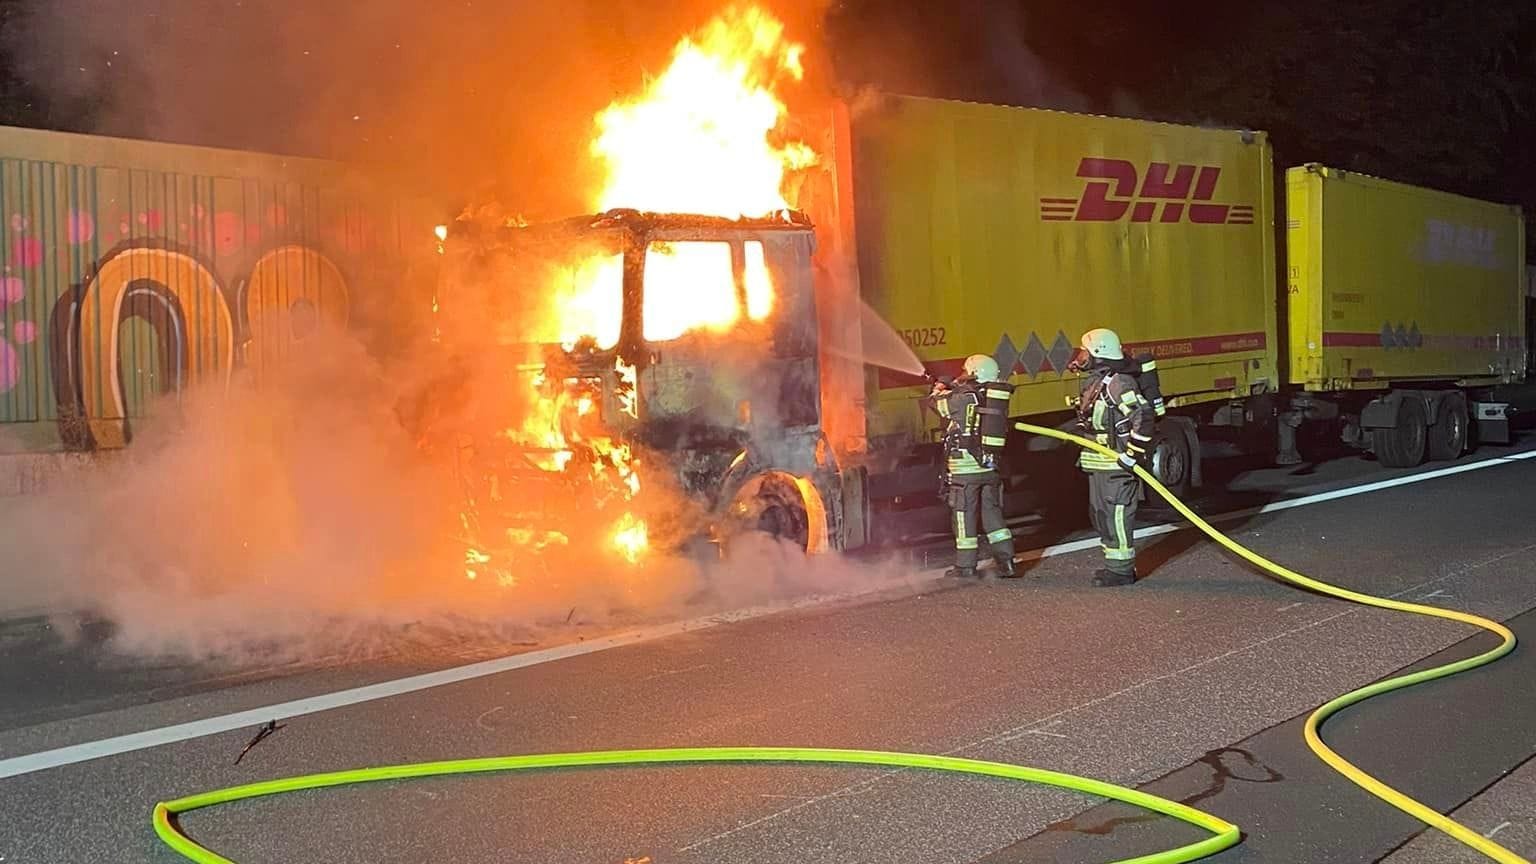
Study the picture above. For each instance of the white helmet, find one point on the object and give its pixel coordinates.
(983, 368)
(1103, 344)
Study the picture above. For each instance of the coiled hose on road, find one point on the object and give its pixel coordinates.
(1223, 833)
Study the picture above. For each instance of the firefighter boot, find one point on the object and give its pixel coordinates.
(1110, 579)
(1006, 568)
(961, 573)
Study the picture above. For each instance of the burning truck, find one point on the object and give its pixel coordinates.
(657, 365)
(702, 388)
(708, 353)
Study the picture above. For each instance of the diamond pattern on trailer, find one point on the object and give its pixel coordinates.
(1006, 356)
(1033, 357)
(1061, 352)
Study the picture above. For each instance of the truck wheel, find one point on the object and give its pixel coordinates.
(1170, 461)
(784, 521)
(1448, 437)
(776, 505)
(1403, 444)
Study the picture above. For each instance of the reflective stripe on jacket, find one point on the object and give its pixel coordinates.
(961, 408)
(1117, 417)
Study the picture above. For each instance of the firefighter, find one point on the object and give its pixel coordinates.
(976, 408)
(1113, 411)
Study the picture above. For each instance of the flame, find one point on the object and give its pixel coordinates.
(589, 298)
(699, 139)
(629, 537)
(628, 398)
(706, 137)
(553, 430)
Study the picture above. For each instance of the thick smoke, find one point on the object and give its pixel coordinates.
(459, 101)
(317, 512)
(300, 519)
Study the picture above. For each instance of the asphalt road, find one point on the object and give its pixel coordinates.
(1191, 680)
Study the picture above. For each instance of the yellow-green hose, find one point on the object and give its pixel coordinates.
(1223, 833)
(1381, 790)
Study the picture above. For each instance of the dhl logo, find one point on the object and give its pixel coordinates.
(1182, 191)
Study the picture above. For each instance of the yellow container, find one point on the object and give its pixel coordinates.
(1394, 283)
(1011, 231)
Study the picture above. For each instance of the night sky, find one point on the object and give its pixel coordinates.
(494, 96)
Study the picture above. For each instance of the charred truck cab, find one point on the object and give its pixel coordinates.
(701, 337)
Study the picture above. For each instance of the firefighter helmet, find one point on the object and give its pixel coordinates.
(1103, 344)
(982, 368)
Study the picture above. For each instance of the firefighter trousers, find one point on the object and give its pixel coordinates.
(976, 502)
(1112, 497)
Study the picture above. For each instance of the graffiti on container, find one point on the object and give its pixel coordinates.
(157, 314)
(202, 327)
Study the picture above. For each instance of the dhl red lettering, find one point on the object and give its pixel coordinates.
(1205, 187)
(1157, 184)
(1096, 206)
(1111, 193)
(1208, 214)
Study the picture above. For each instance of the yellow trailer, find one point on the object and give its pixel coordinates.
(1011, 231)
(1413, 295)
(1390, 283)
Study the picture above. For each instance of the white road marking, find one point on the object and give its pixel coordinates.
(1290, 607)
(1041, 730)
(129, 743)
(118, 745)
(1290, 503)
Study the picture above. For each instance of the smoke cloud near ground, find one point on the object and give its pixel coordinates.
(301, 521)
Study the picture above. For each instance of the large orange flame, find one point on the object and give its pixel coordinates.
(700, 140)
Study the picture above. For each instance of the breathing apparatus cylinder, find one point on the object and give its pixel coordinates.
(994, 397)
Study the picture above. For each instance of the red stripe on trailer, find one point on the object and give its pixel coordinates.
(1203, 346)
(1351, 340)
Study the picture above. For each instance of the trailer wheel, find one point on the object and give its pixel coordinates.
(1402, 445)
(1171, 462)
(1448, 437)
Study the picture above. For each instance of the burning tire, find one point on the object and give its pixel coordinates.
(778, 505)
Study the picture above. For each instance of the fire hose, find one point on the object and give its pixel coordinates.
(1311, 731)
(1223, 834)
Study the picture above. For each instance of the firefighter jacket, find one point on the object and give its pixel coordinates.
(1112, 409)
(977, 430)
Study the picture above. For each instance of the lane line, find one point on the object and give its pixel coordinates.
(118, 745)
(1288, 504)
